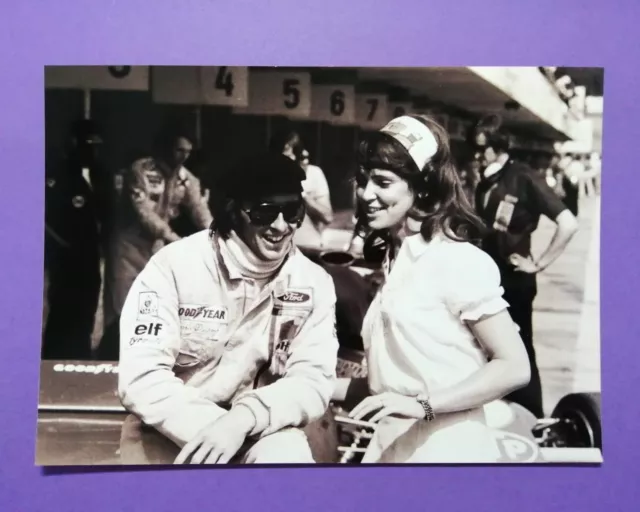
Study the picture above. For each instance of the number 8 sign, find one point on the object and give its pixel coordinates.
(280, 93)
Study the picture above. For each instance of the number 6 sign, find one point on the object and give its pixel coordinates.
(333, 103)
(283, 93)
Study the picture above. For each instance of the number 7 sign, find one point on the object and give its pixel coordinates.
(371, 110)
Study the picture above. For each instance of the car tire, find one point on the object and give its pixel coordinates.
(583, 411)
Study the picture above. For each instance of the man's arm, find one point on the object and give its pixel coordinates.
(567, 226)
(149, 347)
(136, 188)
(302, 395)
(196, 203)
(550, 205)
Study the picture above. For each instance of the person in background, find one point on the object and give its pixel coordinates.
(73, 213)
(317, 198)
(228, 345)
(572, 173)
(469, 178)
(595, 171)
(319, 213)
(154, 191)
(553, 175)
(510, 199)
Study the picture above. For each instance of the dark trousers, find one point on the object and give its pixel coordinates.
(74, 290)
(520, 296)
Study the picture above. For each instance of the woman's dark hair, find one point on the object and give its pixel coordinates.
(440, 202)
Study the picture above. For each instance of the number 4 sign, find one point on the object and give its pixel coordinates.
(371, 110)
(224, 85)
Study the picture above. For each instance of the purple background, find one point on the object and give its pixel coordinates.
(586, 33)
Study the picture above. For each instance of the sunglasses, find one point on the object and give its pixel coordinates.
(265, 214)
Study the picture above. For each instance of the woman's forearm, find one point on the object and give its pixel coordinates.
(493, 381)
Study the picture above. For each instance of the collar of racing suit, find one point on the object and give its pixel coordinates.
(237, 255)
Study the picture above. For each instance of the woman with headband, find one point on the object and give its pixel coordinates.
(440, 343)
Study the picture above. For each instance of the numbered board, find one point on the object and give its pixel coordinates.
(371, 111)
(398, 108)
(179, 85)
(279, 93)
(125, 78)
(334, 104)
(197, 85)
(225, 86)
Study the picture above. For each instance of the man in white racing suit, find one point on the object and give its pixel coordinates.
(228, 345)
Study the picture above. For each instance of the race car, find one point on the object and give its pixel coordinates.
(81, 422)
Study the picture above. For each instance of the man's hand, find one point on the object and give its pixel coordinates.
(522, 264)
(219, 441)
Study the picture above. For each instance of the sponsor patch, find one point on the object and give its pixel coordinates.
(203, 313)
(85, 368)
(299, 298)
(202, 321)
(504, 214)
(147, 305)
(77, 201)
(516, 448)
(150, 329)
(142, 340)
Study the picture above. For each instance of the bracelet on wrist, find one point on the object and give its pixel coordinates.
(423, 400)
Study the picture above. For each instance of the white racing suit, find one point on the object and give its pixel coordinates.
(198, 338)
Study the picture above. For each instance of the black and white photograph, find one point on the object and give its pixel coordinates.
(321, 265)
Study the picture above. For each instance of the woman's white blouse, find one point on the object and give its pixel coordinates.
(415, 333)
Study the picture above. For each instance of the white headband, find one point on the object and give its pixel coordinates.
(415, 137)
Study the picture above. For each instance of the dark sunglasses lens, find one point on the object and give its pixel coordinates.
(266, 214)
(293, 212)
(263, 215)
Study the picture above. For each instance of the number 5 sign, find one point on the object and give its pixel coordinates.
(371, 110)
(280, 93)
(335, 104)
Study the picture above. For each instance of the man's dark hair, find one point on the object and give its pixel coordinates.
(286, 136)
(253, 179)
(167, 137)
(499, 142)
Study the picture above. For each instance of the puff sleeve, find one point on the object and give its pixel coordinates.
(470, 283)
